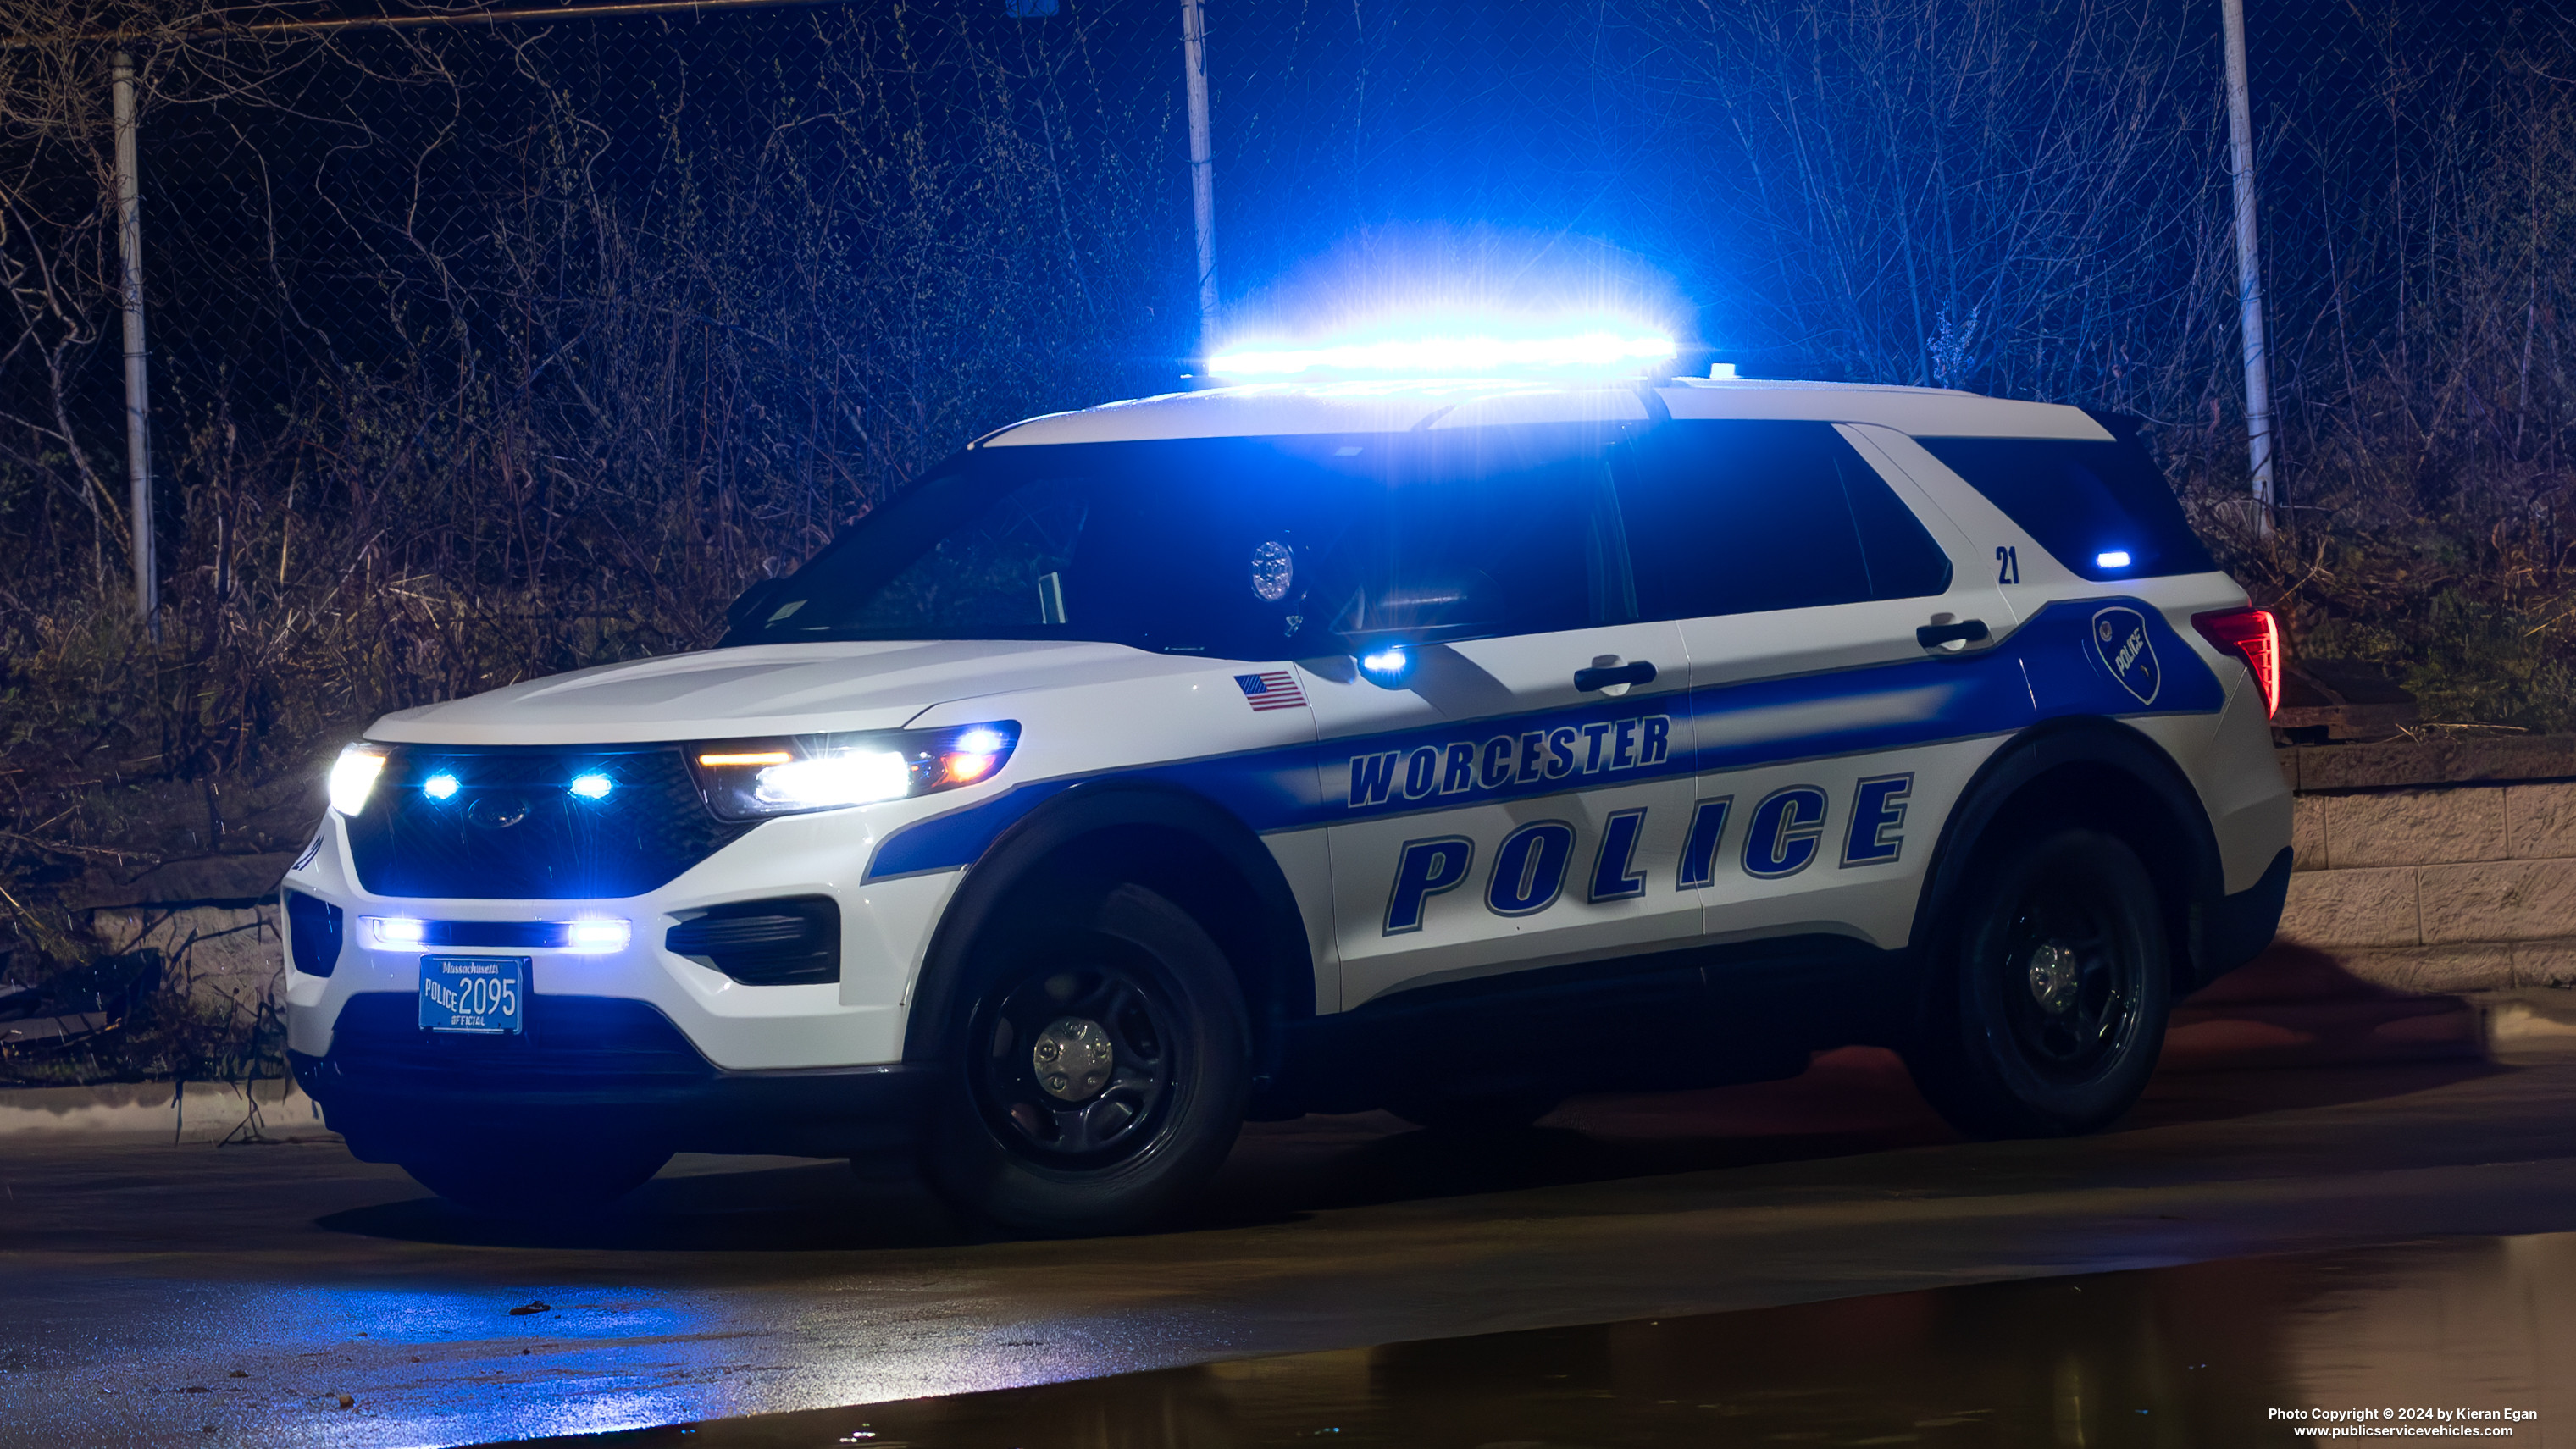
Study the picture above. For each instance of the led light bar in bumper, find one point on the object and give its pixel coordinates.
(591, 936)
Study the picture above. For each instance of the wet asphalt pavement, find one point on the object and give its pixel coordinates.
(2464, 1334)
(237, 1295)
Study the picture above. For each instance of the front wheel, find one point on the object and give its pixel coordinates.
(1096, 1079)
(2058, 984)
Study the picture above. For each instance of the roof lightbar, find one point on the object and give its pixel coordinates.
(1453, 356)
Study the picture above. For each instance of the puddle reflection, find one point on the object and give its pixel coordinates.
(2185, 1356)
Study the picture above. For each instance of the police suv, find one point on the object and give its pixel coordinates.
(1442, 747)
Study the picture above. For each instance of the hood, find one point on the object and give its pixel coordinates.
(769, 689)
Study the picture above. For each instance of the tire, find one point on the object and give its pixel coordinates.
(1485, 1116)
(2056, 983)
(1095, 1076)
(532, 1180)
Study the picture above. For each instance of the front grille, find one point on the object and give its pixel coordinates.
(507, 825)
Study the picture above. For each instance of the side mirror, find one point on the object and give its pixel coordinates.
(752, 601)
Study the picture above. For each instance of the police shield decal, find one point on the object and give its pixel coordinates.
(2120, 639)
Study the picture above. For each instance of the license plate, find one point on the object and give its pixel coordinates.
(485, 994)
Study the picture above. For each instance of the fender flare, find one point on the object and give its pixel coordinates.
(2193, 882)
(1278, 988)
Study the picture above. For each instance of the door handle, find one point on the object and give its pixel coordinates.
(1966, 631)
(1640, 672)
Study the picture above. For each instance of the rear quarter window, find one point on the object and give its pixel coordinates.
(2087, 503)
(1743, 517)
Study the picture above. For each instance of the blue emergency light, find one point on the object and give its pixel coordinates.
(1387, 666)
(1480, 347)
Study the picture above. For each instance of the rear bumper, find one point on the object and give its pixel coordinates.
(2234, 929)
(585, 1067)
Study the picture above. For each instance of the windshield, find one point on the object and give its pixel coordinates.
(1244, 548)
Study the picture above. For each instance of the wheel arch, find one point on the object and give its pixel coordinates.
(2090, 772)
(1170, 840)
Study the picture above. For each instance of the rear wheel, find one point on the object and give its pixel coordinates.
(2058, 987)
(1097, 1078)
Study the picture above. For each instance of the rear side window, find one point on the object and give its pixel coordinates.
(2102, 509)
(1742, 517)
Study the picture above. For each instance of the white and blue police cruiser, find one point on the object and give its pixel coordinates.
(1447, 747)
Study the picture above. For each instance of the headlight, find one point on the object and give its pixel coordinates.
(353, 777)
(752, 779)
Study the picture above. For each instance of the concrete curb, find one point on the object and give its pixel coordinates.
(203, 1112)
(2545, 1017)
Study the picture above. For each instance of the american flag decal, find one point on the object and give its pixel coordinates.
(1276, 689)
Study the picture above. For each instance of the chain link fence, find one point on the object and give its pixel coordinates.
(482, 349)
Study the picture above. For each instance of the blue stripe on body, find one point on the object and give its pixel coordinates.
(2045, 669)
(1257, 786)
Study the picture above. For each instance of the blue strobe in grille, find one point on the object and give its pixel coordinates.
(532, 824)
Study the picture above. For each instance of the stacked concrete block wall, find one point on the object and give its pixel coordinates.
(214, 921)
(227, 955)
(2446, 866)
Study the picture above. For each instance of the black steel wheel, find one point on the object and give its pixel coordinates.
(2059, 984)
(1074, 1067)
(1095, 1077)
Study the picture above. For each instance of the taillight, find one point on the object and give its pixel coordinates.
(2254, 636)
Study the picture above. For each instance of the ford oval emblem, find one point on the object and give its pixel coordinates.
(497, 812)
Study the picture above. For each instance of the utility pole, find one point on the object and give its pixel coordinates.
(2249, 269)
(138, 393)
(1202, 164)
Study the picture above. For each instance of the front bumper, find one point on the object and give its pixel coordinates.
(639, 1044)
(738, 1027)
(587, 1068)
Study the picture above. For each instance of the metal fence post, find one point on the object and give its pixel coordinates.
(2249, 269)
(138, 407)
(1202, 164)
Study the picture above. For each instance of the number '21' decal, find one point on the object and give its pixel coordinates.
(2007, 564)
